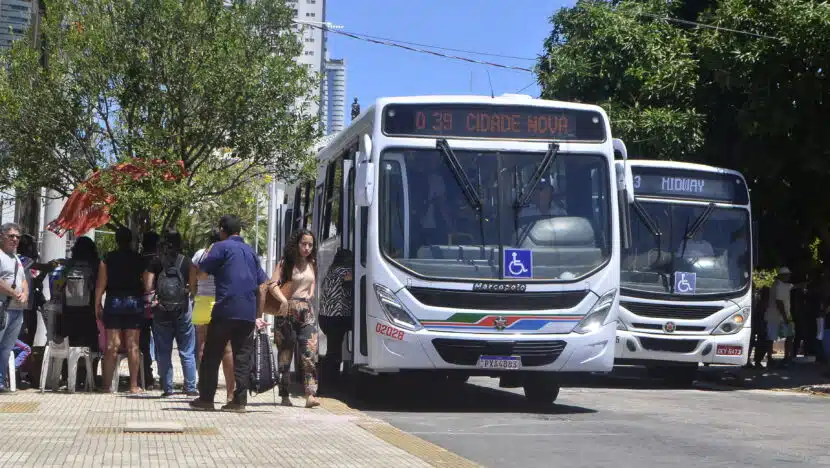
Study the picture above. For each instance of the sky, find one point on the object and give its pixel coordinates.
(515, 28)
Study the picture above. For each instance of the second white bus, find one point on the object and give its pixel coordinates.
(686, 280)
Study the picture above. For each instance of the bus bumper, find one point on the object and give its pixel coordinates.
(706, 349)
(393, 349)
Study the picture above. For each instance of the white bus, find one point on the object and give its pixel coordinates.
(485, 233)
(686, 279)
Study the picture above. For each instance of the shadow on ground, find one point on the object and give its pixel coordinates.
(427, 397)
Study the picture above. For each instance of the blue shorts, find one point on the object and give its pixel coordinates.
(124, 313)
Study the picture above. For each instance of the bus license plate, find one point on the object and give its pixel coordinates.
(500, 362)
(727, 350)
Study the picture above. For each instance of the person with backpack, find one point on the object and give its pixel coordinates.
(170, 282)
(78, 296)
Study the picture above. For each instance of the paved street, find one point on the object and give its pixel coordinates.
(620, 423)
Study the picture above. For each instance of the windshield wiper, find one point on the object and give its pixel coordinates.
(654, 229)
(695, 227)
(463, 182)
(547, 161)
(652, 226)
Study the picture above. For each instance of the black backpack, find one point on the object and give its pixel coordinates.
(171, 289)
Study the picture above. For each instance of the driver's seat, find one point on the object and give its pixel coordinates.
(696, 249)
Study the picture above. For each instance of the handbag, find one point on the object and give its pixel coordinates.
(264, 375)
(4, 305)
(273, 306)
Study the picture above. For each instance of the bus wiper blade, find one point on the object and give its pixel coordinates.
(648, 221)
(460, 176)
(550, 157)
(654, 228)
(698, 224)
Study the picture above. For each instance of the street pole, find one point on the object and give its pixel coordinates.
(256, 223)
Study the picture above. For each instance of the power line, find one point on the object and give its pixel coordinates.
(401, 45)
(706, 26)
(450, 49)
(528, 86)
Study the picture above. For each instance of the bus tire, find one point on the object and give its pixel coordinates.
(540, 392)
(457, 380)
(681, 377)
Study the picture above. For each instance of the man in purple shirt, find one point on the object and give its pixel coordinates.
(237, 312)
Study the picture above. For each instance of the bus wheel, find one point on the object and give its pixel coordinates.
(457, 379)
(541, 392)
(681, 377)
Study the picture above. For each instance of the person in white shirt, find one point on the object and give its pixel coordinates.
(778, 315)
(14, 293)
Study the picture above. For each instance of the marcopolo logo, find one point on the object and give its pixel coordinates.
(499, 287)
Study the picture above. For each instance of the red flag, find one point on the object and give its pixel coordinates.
(89, 205)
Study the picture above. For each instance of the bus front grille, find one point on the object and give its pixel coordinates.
(670, 346)
(670, 311)
(466, 352)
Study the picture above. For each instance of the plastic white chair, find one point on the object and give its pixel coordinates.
(116, 376)
(11, 375)
(53, 357)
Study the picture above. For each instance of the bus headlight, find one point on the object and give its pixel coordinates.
(394, 310)
(733, 324)
(596, 317)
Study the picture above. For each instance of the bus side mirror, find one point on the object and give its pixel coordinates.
(364, 186)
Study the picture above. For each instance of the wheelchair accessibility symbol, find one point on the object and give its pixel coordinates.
(684, 283)
(518, 263)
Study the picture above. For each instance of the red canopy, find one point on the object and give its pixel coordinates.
(89, 205)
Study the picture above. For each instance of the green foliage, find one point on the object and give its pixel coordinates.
(755, 104)
(641, 71)
(216, 87)
(763, 278)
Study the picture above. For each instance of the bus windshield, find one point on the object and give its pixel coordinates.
(430, 226)
(675, 258)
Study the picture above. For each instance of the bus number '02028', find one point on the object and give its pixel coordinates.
(499, 287)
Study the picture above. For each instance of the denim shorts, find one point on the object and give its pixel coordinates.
(124, 313)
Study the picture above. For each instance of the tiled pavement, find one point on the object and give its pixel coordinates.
(54, 429)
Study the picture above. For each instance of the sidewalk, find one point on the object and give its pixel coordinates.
(807, 377)
(56, 429)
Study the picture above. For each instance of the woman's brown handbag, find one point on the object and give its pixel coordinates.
(273, 306)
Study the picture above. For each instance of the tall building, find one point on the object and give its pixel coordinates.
(15, 17)
(313, 39)
(334, 96)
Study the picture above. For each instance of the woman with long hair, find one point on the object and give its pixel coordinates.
(296, 322)
(120, 277)
(336, 303)
(203, 306)
(77, 322)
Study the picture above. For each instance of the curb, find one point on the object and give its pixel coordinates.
(430, 453)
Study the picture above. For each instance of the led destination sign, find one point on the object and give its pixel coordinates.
(481, 121)
(689, 184)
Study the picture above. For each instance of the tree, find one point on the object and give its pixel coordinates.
(768, 100)
(754, 100)
(640, 70)
(215, 87)
(244, 201)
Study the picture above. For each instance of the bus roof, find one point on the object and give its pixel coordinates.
(481, 99)
(682, 165)
(331, 145)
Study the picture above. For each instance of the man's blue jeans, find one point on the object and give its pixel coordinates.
(166, 327)
(8, 336)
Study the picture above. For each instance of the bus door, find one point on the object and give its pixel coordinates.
(358, 349)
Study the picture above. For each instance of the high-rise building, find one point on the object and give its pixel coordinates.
(15, 17)
(313, 38)
(334, 96)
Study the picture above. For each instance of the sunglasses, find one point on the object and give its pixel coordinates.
(13, 236)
